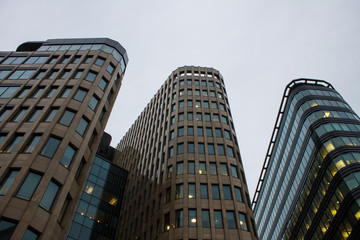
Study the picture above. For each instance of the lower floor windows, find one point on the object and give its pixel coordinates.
(29, 186)
(6, 228)
(179, 218)
(5, 185)
(49, 195)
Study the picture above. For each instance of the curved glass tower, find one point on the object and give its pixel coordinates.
(309, 185)
(186, 179)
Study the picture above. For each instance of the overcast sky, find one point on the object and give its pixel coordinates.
(259, 46)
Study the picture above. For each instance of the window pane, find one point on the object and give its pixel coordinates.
(93, 102)
(209, 132)
(243, 222)
(215, 191)
(179, 191)
(202, 168)
(221, 150)
(230, 219)
(213, 170)
(191, 167)
(203, 191)
(67, 118)
(81, 128)
(68, 156)
(32, 144)
(180, 148)
(223, 169)
(205, 218)
(49, 195)
(29, 185)
(167, 222)
(80, 95)
(66, 92)
(234, 172)
(238, 196)
(102, 84)
(30, 235)
(4, 114)
(179, 218)
(180, 168)
(218, 219)
(191, 148)
(51, 147)
(227, 192)
(230, 151)
(192, 218)
(211, 149)
(6, 229)
(5, 185)
(192, 191)
(201, 148)
(91, 76)
(180, 131)
(190, 131)
(51, 115)
(13, 144)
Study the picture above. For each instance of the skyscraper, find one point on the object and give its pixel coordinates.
(309, 185)
(55, 100)
(186, 179)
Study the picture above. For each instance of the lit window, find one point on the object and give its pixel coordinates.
(28, 187)
(192, 190)
(192, 218)
(167, 222)
(32, 144)
(67, 118)
(202, 168)
(49, 195)
(198, 104)
(198, 117)
(243, 222)
(50, 147)
(81, 128)
(6, 183)
(68, 156)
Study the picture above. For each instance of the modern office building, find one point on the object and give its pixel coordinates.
(55, 100)
(309, 185)
(186, 179)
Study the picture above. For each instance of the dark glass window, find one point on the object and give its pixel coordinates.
(23, 92)
(19, 114)
(209, 132)
(207, 117)
(180, 131)
(234, 171)
(4, 113)
(51, 92)
(218, 219)
(224, 120)
(191, 147)
(181, 117)
(227, 134)
(21, 74)
(32, 144)
(68, 156)
(205, 218)
(179, 193)
(102, 84)
(7, 92)
(76, 59)
(181, 103)
(216, 117)
(213, 170)
(213, 105)
(53, 74)
(215, 191)
(179, 218)
(238, 195)
(49, 195)
(167, 222)
(28, 187)
(192, 218)
(221, 149)
(190, 116)
(38, 92)
(40, 74)
(13, 143)
(198, 117)
(223, 169)
(200, 131)
(91, 76)
(171, 152)
(191, 167)
(206, 105)
(99, 61)
(93, 102)
(67, 118)
(198, 104)
(190, 131)
(110, 69)
(180, 148)
(66, 92)
(230, 219)
(204, 191)
(81, 127)
(192, 190)
(78, 74)
(172, 135)
(51, 114)
(65, 74)
(211, 149)
(6, 183)
(80, 94)
(36, 60)
(6, 228)
(51, 147)
(30, 235)
(189, 103)
(230, 151)
(201, 148)
(180, 168)
(227, 192)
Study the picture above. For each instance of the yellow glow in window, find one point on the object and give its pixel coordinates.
(340, 164)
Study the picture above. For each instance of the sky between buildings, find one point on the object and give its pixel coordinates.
(259, 46)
